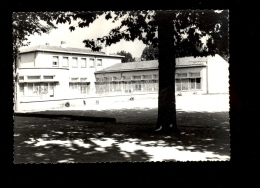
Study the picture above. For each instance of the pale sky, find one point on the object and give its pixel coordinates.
(98, 28)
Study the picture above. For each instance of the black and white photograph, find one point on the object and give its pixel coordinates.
(121, 86)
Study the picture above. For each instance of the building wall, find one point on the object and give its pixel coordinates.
(214, 78)
(218, 75)
(60, 79)
(27, 60)
(41, 64)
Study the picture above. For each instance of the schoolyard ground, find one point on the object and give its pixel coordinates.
(202, 119)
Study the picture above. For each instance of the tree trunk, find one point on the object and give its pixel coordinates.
(166, 104)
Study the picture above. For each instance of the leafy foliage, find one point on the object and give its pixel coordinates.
(128, 56)
(150, 53)
(196, 33)
(28, 23)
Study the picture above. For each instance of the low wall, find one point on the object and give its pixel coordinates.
(61, 103)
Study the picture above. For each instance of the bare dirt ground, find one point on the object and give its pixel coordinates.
(202, 119)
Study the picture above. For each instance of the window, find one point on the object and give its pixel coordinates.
(51, 89)
(194, 74)
(155, 76)
(91, 63)
(116, 86)
(21, 89)
(55, 61)
(127, 87)
(137, 77)
(40, 89)
(184, 84)
(137, 86)
(75, 62)
(192, 83)
(36, 88)
(33, 77)
(188, 84)
(198, 83)
(148, 77)
(178, 84)
(83, 88)
(65, 62)
(30, 88)
(79, 88)
(148, 85)
(99, 62)
(83, 79)
(127, 78)
(156, 85)
(21, 77)
(115, 78)
(83, 62)
(181, 74)
(44, 88)
(48, 77)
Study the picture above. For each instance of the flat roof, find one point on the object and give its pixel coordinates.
(153, 64)
(70, 50)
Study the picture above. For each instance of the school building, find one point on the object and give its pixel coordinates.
(52, 76)
(200, 75)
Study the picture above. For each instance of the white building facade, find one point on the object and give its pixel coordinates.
(52, 76)
(201, 75)
(48, 75)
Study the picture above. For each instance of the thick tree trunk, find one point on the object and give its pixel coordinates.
(166, 104)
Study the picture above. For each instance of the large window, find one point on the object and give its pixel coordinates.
(188, 84)
(65, 61)
(79, 88)
(40, 89)
(55, 61)
(75, 62)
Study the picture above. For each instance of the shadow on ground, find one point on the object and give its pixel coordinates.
(204, 136)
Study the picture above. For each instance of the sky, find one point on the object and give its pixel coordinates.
(98, 28)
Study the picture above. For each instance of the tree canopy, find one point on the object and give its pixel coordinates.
(196, 32)
(150, 53)
(128, 56)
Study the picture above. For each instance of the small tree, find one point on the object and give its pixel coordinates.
(150, 53)
(128, 56)
(25, 24)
